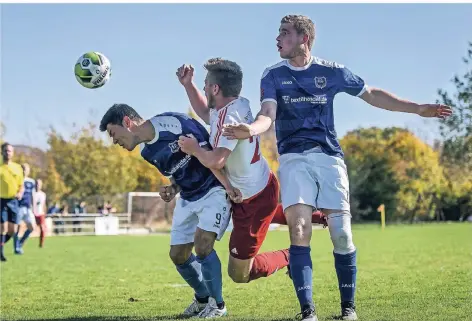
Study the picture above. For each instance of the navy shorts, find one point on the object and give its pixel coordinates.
(10, 209)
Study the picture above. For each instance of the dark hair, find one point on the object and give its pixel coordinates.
(227, 74)
(4, 145)
(115, 115)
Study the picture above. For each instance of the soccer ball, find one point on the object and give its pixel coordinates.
(92, 70)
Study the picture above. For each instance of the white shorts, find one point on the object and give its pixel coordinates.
(315, 179)
(210, 213)
(26, 214)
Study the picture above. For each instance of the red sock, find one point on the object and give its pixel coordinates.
(268, 263)
(279, 217)
(41, 237)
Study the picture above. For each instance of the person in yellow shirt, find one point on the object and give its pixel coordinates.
(11, 190)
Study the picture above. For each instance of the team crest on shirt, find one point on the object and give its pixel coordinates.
(174, 146)
(320, 82)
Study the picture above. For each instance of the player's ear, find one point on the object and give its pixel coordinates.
(305, 39)
(126, 122)
(216, 89)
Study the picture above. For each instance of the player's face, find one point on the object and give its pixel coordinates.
(289, 42)
(39, 184)
(7, 153)
(209, 93)
(121, 136)
(26, 171)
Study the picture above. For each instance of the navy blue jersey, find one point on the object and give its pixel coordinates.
(164, 153)
(30, 187)
(304, 97)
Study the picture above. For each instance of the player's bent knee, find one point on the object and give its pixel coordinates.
(179, 254)
(204, 242)
(299, 224)
(339, 225)
(239, 270)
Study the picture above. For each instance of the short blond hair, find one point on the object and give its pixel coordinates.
(303, 25)
(225, 73)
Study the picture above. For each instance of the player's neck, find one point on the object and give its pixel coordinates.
(6, 161)
(301, 60)
(144, 132)
(224, 102)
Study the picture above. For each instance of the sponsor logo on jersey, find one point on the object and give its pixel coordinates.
(315, 99)
(287, 82)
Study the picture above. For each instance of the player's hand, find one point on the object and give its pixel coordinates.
(238, 131)
(167, 193)
(189, 145)
(435, 110)
(235, 194)
(185, 74)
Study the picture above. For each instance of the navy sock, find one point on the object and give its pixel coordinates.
(191, 272)
(15, 240)
(346, 270)
(211, 270)
(302, 272)
(25, 236)
(5, 238)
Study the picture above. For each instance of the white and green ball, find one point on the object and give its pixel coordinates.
(92, 70)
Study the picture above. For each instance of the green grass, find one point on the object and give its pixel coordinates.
(410, 273)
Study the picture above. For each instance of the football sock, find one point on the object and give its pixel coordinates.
(191, 272)
(268, 263)
(301, 272)
(211, 271)
(346, 270)
(25, 236)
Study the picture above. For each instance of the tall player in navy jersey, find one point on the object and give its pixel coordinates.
(26, 210)
(202, 213)
(298, 94)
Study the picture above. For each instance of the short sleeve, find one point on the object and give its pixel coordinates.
(225, 117)
(350, 83)
(268, 91)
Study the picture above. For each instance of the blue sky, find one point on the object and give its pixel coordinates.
(410, 50)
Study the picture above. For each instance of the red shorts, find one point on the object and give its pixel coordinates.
(40, 219)
(251, 220)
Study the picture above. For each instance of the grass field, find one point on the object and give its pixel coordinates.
(404, 273)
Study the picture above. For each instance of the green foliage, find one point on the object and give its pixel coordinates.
(456, 150)
(392, 167)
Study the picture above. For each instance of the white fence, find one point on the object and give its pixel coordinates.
(88, 224)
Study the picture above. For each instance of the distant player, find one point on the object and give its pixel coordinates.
(26, 210)
(247, 169)
(202, 212)
(298, 94)
(39, 210)
(11, 190)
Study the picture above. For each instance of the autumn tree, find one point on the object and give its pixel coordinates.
(456, 149)
(392, 167)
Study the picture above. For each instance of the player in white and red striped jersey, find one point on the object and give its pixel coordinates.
(246, 168)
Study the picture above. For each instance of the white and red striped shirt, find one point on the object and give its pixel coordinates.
(247, 169)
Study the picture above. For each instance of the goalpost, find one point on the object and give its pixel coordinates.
(148, 205)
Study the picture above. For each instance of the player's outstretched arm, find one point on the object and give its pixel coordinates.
(261, 124)
(196, 98)
(382, 99)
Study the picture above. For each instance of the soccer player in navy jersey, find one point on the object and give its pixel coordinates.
(202, 212)
(298, 94)
(26, 210)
